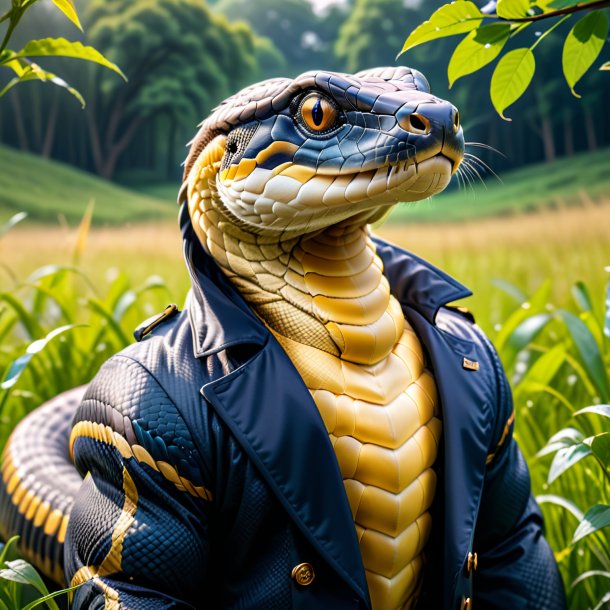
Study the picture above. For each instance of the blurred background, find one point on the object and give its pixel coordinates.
(527, 227)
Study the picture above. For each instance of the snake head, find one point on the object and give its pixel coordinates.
(293, 156)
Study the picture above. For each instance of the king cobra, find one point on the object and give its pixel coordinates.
(282, 182)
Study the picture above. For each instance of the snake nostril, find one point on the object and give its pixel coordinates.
(416, 123)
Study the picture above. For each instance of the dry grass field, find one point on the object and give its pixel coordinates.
(563, 245)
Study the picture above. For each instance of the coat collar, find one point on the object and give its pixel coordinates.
(414, 282)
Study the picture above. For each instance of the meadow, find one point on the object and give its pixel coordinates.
(70, 297)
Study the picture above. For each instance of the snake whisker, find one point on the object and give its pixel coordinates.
(482, 165)
(486, 147)
(474, 171)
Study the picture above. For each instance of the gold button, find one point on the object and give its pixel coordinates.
(466, 603)
(303, 574)
(472, 563)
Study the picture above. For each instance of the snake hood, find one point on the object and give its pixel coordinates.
(292, 156)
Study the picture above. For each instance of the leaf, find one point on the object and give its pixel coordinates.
(600, 444)
(582, 46)
(35, 72)
(69, 10)
(595, 519)
(511, 78)
(590, 574)
(589, 352)
(561, 502)
(22, 572)
(510, 289)
(18, 366)
(455, 18)
(60, 47)
(607, 316)
(568, 437)
(512, 9)
(6, 547)
(603, 601)
(47, 599)
(603, 410)
(11, 222)
(546, 366)
(83, 232)
(523, 335)
(605, 66)
(566, 458)
(477, 49)
(581, 295)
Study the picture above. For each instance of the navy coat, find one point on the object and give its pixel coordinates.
(211, 392)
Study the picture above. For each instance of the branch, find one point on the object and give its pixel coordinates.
(568, 10)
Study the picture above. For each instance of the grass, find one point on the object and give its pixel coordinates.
(562, 183)
(49, 191)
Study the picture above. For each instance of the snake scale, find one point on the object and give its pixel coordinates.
(282, 183)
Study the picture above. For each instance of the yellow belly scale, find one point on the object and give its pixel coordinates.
(384, 425)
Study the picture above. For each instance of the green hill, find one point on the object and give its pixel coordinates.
(48, 190)
(566, 182)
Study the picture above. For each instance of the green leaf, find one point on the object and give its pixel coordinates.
(60, 47)
(561, 502)
(69, 10)
(589, 352)
(512, 9)
(568, 437)
(11, 222)
(477, 49)
(456, 18)
(511, 78)
(566, 458)
(546, 366)
(48, 599)
(510, 289)
(18, 366)
(603, 410)
(607, 316)
(5, 549)
(22, 572)
(581, 295)
(35, 72)
(590, 574)
(582, 46)
(523, 335)
(595, 519)
(603, 601)
(600, 444)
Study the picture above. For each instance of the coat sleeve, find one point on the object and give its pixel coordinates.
(137, 535)
(516, 567)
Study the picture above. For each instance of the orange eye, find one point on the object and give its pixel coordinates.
(318, 113)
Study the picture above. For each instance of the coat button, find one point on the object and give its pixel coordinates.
(472, 563)
(466, 603)
(303, 574)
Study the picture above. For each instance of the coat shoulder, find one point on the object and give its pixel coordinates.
(460, 324)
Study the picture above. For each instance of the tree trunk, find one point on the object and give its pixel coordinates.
(568, 135)
(109, 163)
(49, 136)
(19, 124)
(548, 139)
(590, 129)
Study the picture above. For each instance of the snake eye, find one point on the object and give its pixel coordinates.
(318, 113)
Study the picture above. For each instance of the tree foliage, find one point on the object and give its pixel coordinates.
(488, 30)
(20, 62)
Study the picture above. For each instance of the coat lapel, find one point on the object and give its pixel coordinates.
(467, 421)
(270, 411)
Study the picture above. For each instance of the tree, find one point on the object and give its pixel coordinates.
(373, 32)
(181, 60)
(302, 37)
(488, 30)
